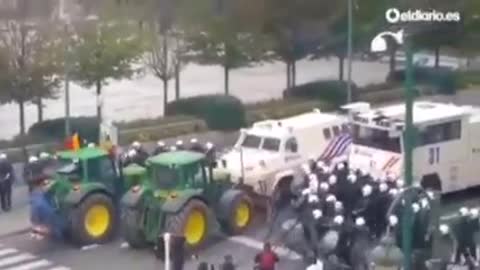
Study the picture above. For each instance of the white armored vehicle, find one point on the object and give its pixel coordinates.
(269, 155)
(447, 150)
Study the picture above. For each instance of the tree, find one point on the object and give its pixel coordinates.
(102, 51)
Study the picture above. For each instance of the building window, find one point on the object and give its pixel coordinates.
(441, 133)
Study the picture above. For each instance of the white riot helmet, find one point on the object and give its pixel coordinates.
(43, 155)
(91, 145)
(326, 169)
(317, 213)
(193, 141)
(444, 229)
(306, 191)
(352, 178)
(209, 145)
(383, 187)
(400, 183)
(32, 159)
(383, 178)
(331, 198)
(363, 172)
(132, 153)
(393, 220)
(173, 148)
(430, 194)
(424, 203)
(463, 211)
(338, 220)
(338, 205)
(393, 191)
(161, 143)
(136, 144)
(179, 143)
(312, 198)
(474, 213)
(366, 190)
(324, 186)
(3, 156)
(332, 180)
(340, 166)
(306, 168)
(321, 164)
(415, 207)
(360, 221)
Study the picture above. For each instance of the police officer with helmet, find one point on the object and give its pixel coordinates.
(7, 176)
(32, 172)
(160, 148)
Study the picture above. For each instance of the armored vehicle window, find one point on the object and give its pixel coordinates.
(336, 130)
(252, 141)
(271, 144)
(327, 134)
(345, 128)
(441, 133)
(291, 145)
(375, 138)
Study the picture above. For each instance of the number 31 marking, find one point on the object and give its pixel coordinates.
(434, 155)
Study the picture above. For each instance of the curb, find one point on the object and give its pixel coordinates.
(15, 233)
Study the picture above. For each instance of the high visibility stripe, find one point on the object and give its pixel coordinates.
(31, 265)
(16, 259)
(336, 147)
(393, 163)
(388, 163)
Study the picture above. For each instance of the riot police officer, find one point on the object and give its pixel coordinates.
(7, 176)
(196, 146)
(475, 226)
(329, 207)
(464, 234)
(180, 145)
(382, 203)
(46, 163)
(141, 154)
(210, 152)
(160, 148)
(32, 172)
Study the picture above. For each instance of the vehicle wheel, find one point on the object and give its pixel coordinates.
(92, 221)
(133, 229)
(191, 222)
(239, 211)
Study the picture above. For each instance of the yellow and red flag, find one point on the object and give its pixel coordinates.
(75, 142)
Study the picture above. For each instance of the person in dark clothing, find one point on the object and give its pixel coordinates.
(47, 164)
(267, 259)
(7, 177)
(227, 263)
(32, 172)
(382, 203)
(475, 226)
(180, 145)
(210, 152)
(141, 155)
(464, 235)
(203, 266)
(160, 148)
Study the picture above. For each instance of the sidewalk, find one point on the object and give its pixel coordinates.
(18, 219)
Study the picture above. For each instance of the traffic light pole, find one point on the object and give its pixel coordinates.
(409, 143)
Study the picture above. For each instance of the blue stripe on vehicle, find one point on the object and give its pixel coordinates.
(342, 141)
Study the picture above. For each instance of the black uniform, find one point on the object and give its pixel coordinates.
(7, 177)
(33, 174)
(464, 233)
(196, 147)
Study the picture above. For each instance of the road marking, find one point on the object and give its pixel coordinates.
(89, 247)
(291, 224)
(16, 259)
(124, 245)
(60, 268)
(7, 251)
(31, 265)
(253, 243)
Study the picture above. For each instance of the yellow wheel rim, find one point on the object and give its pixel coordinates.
(97, 220)
(242, 215)
(195, 227)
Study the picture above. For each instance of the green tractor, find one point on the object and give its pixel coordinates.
(182, 194)
(81, 201)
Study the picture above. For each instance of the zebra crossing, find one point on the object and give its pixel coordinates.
(13, 259)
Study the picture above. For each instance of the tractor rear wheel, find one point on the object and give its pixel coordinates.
(92, 221)
(192, 222)
(132, 228)
(239, 209)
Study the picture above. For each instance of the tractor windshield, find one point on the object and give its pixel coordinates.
(69, 167)
(165, 177)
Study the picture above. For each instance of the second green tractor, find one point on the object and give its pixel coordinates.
(180, 193)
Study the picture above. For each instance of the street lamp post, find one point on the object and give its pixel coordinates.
(349, 50)
(63, 16)
(379, 44)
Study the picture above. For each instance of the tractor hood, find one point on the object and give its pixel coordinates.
(254, 160)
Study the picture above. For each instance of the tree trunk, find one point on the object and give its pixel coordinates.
(341, 65)
(99, 101)
(165, 95)
(437, 57)
(226, 71)
(177, 81)
(289, 79)
(393, 60)
(294, 73)
(21, 109)
(40, 110)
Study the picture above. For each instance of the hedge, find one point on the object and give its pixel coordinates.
(220, 112)
(444, 80)
(54, 129)
(330, 91)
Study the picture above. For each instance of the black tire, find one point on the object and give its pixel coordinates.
(176, 223)
(78, 231)
(133, 228)
(230, 205)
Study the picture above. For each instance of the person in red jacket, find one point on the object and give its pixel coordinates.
(267, 259)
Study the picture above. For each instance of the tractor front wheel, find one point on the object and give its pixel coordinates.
(92, 221)
(132, 228)
(192, 222)
(239, 209)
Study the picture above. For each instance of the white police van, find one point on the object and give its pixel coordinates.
(268, 156)
(447, 150)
